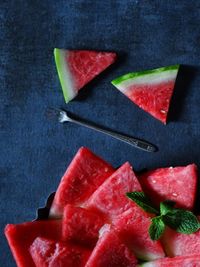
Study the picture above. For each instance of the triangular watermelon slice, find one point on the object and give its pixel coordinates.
(84, 175)
(21, 236)
(49, 253)
(178, 184)
(110, 198)
(111, 252)
(151, 90)
(132, 227)
(77, 67)
(184, 261)
(81, 226)
(177, 244)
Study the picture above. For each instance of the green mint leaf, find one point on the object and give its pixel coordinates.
(182, 221)
(141, 200)
(156, 228)
(166, 206)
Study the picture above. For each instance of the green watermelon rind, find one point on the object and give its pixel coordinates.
(64, 75)
(146, 264)
(133, 75)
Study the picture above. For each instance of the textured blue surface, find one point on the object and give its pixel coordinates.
(35, 152)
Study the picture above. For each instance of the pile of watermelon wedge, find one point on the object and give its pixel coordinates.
(92, 223)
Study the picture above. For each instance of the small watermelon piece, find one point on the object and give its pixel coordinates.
(132, 227)
(185, 261)
(21, 236)
(178, 184)
(177, 244)
(77, 67)
(49, 253)
(110, 198)
(83, 176)
(110, 251)
(151, 90)
(81, 226)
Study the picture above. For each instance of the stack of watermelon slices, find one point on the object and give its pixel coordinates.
(92, 223)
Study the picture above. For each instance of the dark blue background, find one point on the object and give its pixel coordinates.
(35, 152)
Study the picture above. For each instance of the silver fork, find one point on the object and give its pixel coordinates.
(64, 116)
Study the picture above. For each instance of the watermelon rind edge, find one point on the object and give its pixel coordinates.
(64, 75)
(146, 264)
(133, 75)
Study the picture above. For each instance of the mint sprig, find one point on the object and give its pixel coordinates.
(166, 207)
(181, 220)
(143, 201)
(156, 228)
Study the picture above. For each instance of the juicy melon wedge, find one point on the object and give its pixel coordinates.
(81, 226)
(110, 251)
(84, 175)
(177, 244)
(49, 253)
(77, 67)
(110, 198)
(151, 90)
(21, 236)
(184, 261)
(177, 184)
(132, 227)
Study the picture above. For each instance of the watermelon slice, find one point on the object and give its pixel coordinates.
(185, 261)
(177, 244)
(132, 227)
(178, 184)
(110, 198)
(49, 253)
(83, 176)
(21, 236)
(77, 67)
(151, 90)
(110, 251)
(81, 226)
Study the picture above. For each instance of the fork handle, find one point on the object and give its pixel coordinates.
(138, 143)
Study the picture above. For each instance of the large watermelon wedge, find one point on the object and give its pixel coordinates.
(111, 252)
(77, 67)
(110, 198)
(49, 253)
(21, 236)
(177, 244)
(83, 176)
(151, 90)
(81, 226)
(185, 261)
(132, 227)
(178, 184)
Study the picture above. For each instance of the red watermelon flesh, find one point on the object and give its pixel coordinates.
(151, 90)
(132, 227)
(178, 184)
(110, 198)
(184, 261)
(81, 226)
(111, 252)
(49, 253)
(77, 67)
(177, 244)
(21, 236)
(83, 176)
